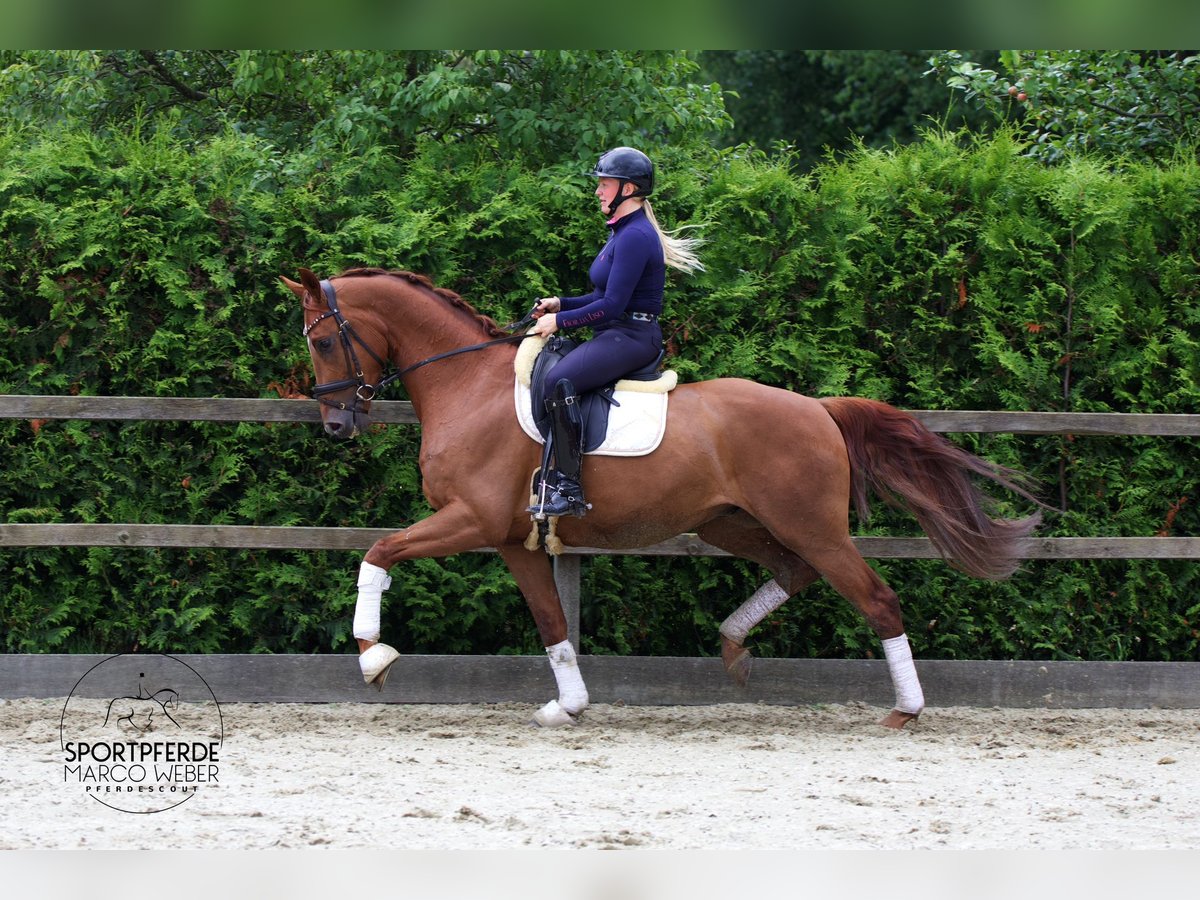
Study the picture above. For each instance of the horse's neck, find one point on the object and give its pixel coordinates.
(459, 388)
(457, 385)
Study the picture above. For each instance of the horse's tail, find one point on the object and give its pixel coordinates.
(910, 467)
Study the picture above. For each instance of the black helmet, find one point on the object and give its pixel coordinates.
(627, 164)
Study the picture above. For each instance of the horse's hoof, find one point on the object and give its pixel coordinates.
(738, 668)
(553, 716)
(897, 719)
(376, 662)
(737, 660)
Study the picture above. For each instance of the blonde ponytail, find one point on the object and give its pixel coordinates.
(678, 252)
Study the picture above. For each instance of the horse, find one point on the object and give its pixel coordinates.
(764, 473)
(140, 711)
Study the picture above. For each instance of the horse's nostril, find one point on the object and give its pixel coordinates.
(341, 428)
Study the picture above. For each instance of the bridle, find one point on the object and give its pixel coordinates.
(363, 391)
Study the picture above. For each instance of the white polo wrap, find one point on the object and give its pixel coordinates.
(572, 693)
(761, 604)
(909, 696)
(372, 582)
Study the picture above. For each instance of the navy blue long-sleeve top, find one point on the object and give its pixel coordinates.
(628, 275)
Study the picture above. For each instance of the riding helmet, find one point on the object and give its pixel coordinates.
(627, 164)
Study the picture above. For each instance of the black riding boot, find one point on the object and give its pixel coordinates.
(564, 495)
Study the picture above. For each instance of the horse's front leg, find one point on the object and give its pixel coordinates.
(535, 578)
(453, 529)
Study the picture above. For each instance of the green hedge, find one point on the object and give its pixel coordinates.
(954, 273)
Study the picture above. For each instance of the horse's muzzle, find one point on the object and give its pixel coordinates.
(343, 425)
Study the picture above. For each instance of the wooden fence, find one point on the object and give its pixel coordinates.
(693, 680)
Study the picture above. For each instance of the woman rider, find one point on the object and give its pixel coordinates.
(628, 277)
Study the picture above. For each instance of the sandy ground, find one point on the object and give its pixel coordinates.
(681, 778)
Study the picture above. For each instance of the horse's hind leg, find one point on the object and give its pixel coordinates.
(848, 573)
(743, 536)
(845, 569)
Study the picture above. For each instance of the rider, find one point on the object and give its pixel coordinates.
(628, 278)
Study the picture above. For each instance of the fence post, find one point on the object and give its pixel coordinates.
(567, 576)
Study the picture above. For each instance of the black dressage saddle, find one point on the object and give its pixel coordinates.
(595, 405)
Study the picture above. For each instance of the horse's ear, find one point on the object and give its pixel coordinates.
(294, 286)
(311, 282)
(308, 289)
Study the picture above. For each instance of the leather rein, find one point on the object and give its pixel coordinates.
(363, 391)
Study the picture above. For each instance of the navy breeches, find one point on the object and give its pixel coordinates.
(613, 352)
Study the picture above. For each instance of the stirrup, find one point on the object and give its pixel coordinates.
(550, 500)
(551, 510)
(563, 504)
(537, 508)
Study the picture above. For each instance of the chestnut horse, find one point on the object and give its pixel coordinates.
(763, 473)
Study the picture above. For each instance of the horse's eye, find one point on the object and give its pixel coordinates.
(324, 344)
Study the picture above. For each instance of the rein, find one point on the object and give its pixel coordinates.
(364, 392)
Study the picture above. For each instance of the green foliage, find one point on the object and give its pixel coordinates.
(1118, 102)
(821, 101)
(949, 273)
(548, 106)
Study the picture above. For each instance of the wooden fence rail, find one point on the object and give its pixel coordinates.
(248, 409)
(567, 567)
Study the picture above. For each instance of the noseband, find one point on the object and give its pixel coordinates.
(364, 392)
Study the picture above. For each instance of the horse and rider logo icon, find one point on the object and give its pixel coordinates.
(140, 710)
(142, 733)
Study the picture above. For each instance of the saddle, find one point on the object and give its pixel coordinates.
(636, 403)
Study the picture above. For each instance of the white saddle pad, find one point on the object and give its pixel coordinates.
(635, 428)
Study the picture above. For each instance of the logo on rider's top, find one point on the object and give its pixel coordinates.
(142, 733)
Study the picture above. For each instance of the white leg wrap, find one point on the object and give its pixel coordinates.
(372, 582)
(761, 604)
(572, 693)
(909, 696)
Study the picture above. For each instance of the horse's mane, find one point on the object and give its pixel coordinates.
(489, 324)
